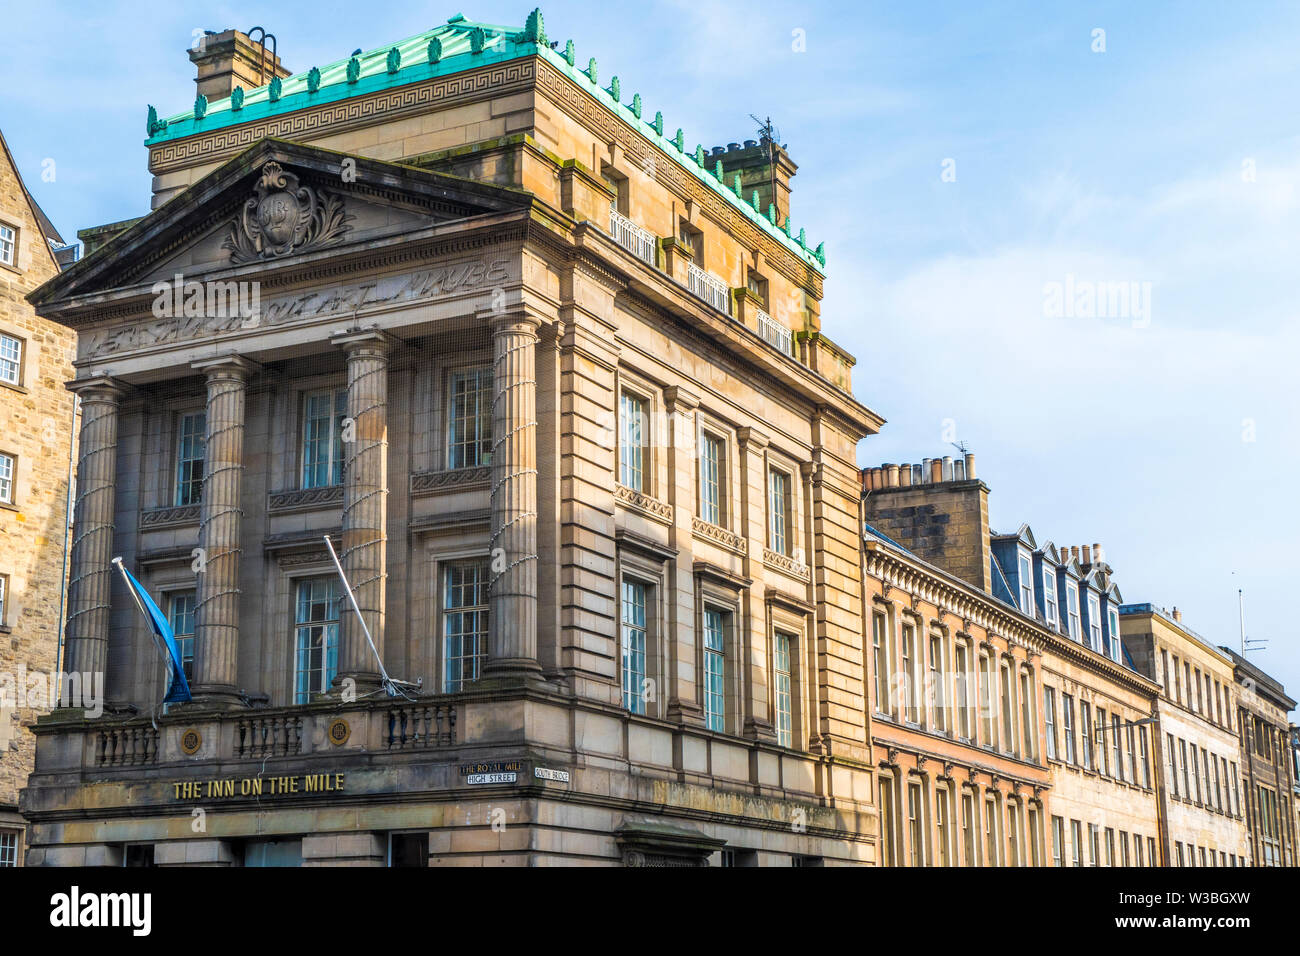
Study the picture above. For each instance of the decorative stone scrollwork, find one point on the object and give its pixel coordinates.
(431, 482)
(305, 498)
(721, 536)
(785, 563)
(157, 518)
(651, 507)
(284, 217)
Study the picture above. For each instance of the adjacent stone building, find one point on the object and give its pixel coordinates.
(36, 429)
(1196, 743)
(999, 656)
(556, 388)
(1267, 763)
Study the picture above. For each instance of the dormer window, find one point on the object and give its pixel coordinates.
(1094, 622)
(1072, 609)
(1049, 598)
(757, 285)
(1026, 585)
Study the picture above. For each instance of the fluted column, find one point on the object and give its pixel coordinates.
(92, 543)
(365, 504)
(512, 645)
(216, 629)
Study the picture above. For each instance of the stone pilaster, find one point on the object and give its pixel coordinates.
(216, 630)
(365, 505)
(91, 572)
(681, 433)
(512, 646)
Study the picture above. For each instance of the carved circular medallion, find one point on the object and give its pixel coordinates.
(339, 732)
(191, 741)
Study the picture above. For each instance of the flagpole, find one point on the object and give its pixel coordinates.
(388, 682)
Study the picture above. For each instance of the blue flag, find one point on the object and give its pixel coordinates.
(178, 688)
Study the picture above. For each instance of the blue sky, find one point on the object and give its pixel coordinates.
(1171, 158)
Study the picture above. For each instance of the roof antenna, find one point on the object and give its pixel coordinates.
(768, 136)
(261, 59)
(1246, 642)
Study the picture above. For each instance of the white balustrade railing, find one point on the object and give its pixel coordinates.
(631, 237)
(708, 287)
(775, 334)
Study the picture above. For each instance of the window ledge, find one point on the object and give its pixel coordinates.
(16, 387)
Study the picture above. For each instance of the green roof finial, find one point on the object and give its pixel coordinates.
(354, 70)
(570, 53)
(658, 124)
(699, 154)
(771, 213)
(616, 89)
(435, 50)
(753, 200)
(736, 187)
(273, 91)
(477, 38)
(200, 106)
(313, 79)
(394, 61)
(636, 105)
(820, 254)
(803, 242)
(591, 71)
(237, 98)
(534, 30)
(680, 140)
(155, 125)
(717, 171)
(786, 227)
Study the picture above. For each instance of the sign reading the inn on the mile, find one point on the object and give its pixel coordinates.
(279, 786)
(181, 326)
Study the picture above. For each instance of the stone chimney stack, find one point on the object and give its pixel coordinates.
(230, 59)
(757, 172)
(1178, 615)
(941, 514)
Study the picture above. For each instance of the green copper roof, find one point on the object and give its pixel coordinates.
(452, 47)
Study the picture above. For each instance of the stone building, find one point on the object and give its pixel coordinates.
(1267, 762)
(36, 429)
(559, 396)
(998, 654)
(1201, 799)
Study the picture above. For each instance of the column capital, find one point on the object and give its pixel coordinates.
(373, 341)
(103, 388)
(518, 322)
(230, 366)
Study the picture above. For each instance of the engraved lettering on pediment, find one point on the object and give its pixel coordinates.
(283, 216)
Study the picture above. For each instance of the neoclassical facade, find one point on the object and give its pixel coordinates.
(556, 390)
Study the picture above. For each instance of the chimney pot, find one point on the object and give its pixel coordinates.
(905, 475)
(1087, 555)
(1178, 615)
(936, 470)
(958, 470)
(970, 466)
(891, 475)
(947, 468)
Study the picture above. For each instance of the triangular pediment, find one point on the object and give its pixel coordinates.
(276, 203)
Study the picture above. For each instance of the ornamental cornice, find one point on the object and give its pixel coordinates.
(640, 502)
(453, 479)
(719, 536)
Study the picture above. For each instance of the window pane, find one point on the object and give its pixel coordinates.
(631, 448)
(711, 480)
(190, 453)
(781, 670)
(714, 671)
(182, 622)
(464, 622)
(322, 443)
(11, 353)
(469, 419)
(779, 491)
(634, 646)
(317, 621)
(6, 479)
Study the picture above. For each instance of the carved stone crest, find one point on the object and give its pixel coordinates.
(283, 216)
